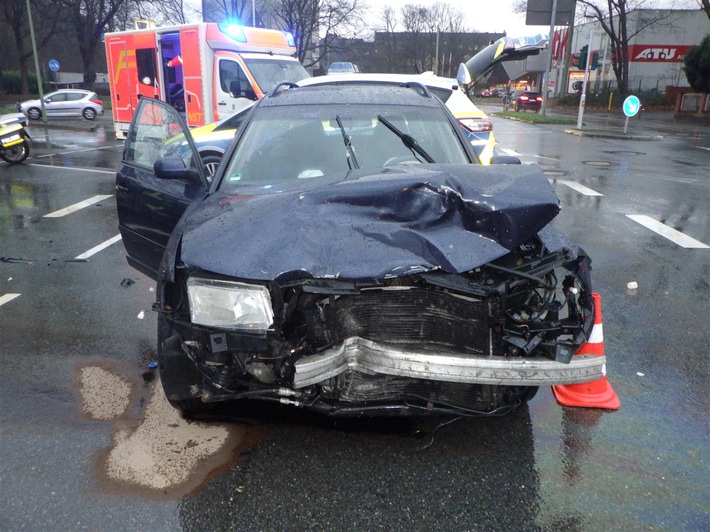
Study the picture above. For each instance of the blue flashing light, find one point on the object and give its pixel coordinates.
(289, 38)
(235, 31)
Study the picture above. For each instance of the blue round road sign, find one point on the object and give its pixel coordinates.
(632, 105)
(54, 65)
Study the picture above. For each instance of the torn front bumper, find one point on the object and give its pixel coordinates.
(358, 354)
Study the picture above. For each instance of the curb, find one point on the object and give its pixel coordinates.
(600, 134)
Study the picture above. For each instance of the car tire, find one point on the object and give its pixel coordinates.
(89, 113)
(33, 113)
(16, 154)
(211, 162)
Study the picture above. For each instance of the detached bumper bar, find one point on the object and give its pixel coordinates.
(357, 354)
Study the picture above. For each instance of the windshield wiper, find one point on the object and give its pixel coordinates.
(352, 158)
(409, 141)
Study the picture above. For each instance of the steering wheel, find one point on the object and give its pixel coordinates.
(402, 159)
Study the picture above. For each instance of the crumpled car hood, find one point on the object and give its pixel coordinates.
(372, 224)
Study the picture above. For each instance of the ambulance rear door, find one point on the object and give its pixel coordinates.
(197, 108)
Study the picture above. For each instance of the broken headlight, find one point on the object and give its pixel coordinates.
(229, 305)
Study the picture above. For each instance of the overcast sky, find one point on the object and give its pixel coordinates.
(493, 16)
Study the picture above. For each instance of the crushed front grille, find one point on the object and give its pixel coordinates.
(425, 320)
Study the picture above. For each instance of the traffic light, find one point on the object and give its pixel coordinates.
(575, 61)
(595, 61)
(583, 57)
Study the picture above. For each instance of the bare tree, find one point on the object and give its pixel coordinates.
(165, 12)
(389, 26)
(89, 20)
(422, 23)
(705, 4)
(419, 48)
(520, 6)
(446, 18)
(319, 26)
(15, 17)
(240, 10)
(613, 16)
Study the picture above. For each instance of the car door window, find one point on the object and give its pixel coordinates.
(158, 131)
(56, 98)
(230, 72)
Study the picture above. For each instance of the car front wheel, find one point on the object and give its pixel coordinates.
(179, 378)
(89, 113)
(34, 113)
(211, 162)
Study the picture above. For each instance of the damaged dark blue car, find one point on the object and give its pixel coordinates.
(352, 257)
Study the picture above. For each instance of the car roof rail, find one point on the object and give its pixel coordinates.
(423, 89)
(281, 86)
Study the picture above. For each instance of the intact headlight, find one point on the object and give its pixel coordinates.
(229, 305)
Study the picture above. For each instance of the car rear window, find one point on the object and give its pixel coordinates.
(442, 94)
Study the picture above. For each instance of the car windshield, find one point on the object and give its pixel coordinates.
(304, 145)
(270, 72)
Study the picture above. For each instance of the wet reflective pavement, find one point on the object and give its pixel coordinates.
(543, 467)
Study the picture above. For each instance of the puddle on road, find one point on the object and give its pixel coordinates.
(154, 452)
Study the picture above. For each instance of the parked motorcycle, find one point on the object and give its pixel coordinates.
(14, 145)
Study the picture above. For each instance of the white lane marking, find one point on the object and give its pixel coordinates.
(77, 206)
(514, 153)
(508, 151)
(667, 232)
(676, 179)
(74, 168)
(702, 148)
(6, 298)
(96, 249)
(69, 152)
(580, 188)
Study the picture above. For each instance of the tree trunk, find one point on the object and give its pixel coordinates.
(22, 57)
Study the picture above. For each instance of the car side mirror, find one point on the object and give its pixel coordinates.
(171, 167)
(505, 159)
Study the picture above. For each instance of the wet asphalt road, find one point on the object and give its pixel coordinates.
(544, 467)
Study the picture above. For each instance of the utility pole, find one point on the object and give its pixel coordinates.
(546, 77)
(436, 54)
(34, 52)
(583, 98)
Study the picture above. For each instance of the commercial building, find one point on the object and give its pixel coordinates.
(658, 43)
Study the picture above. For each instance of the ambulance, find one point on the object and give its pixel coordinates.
(207, 71)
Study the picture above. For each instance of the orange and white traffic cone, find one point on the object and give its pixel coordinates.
(594, 394)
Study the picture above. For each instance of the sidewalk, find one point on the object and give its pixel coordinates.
(647, 125)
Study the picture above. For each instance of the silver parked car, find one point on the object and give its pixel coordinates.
(64, 102)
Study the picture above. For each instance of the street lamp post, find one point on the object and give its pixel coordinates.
(34, 52)
(546, 78)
